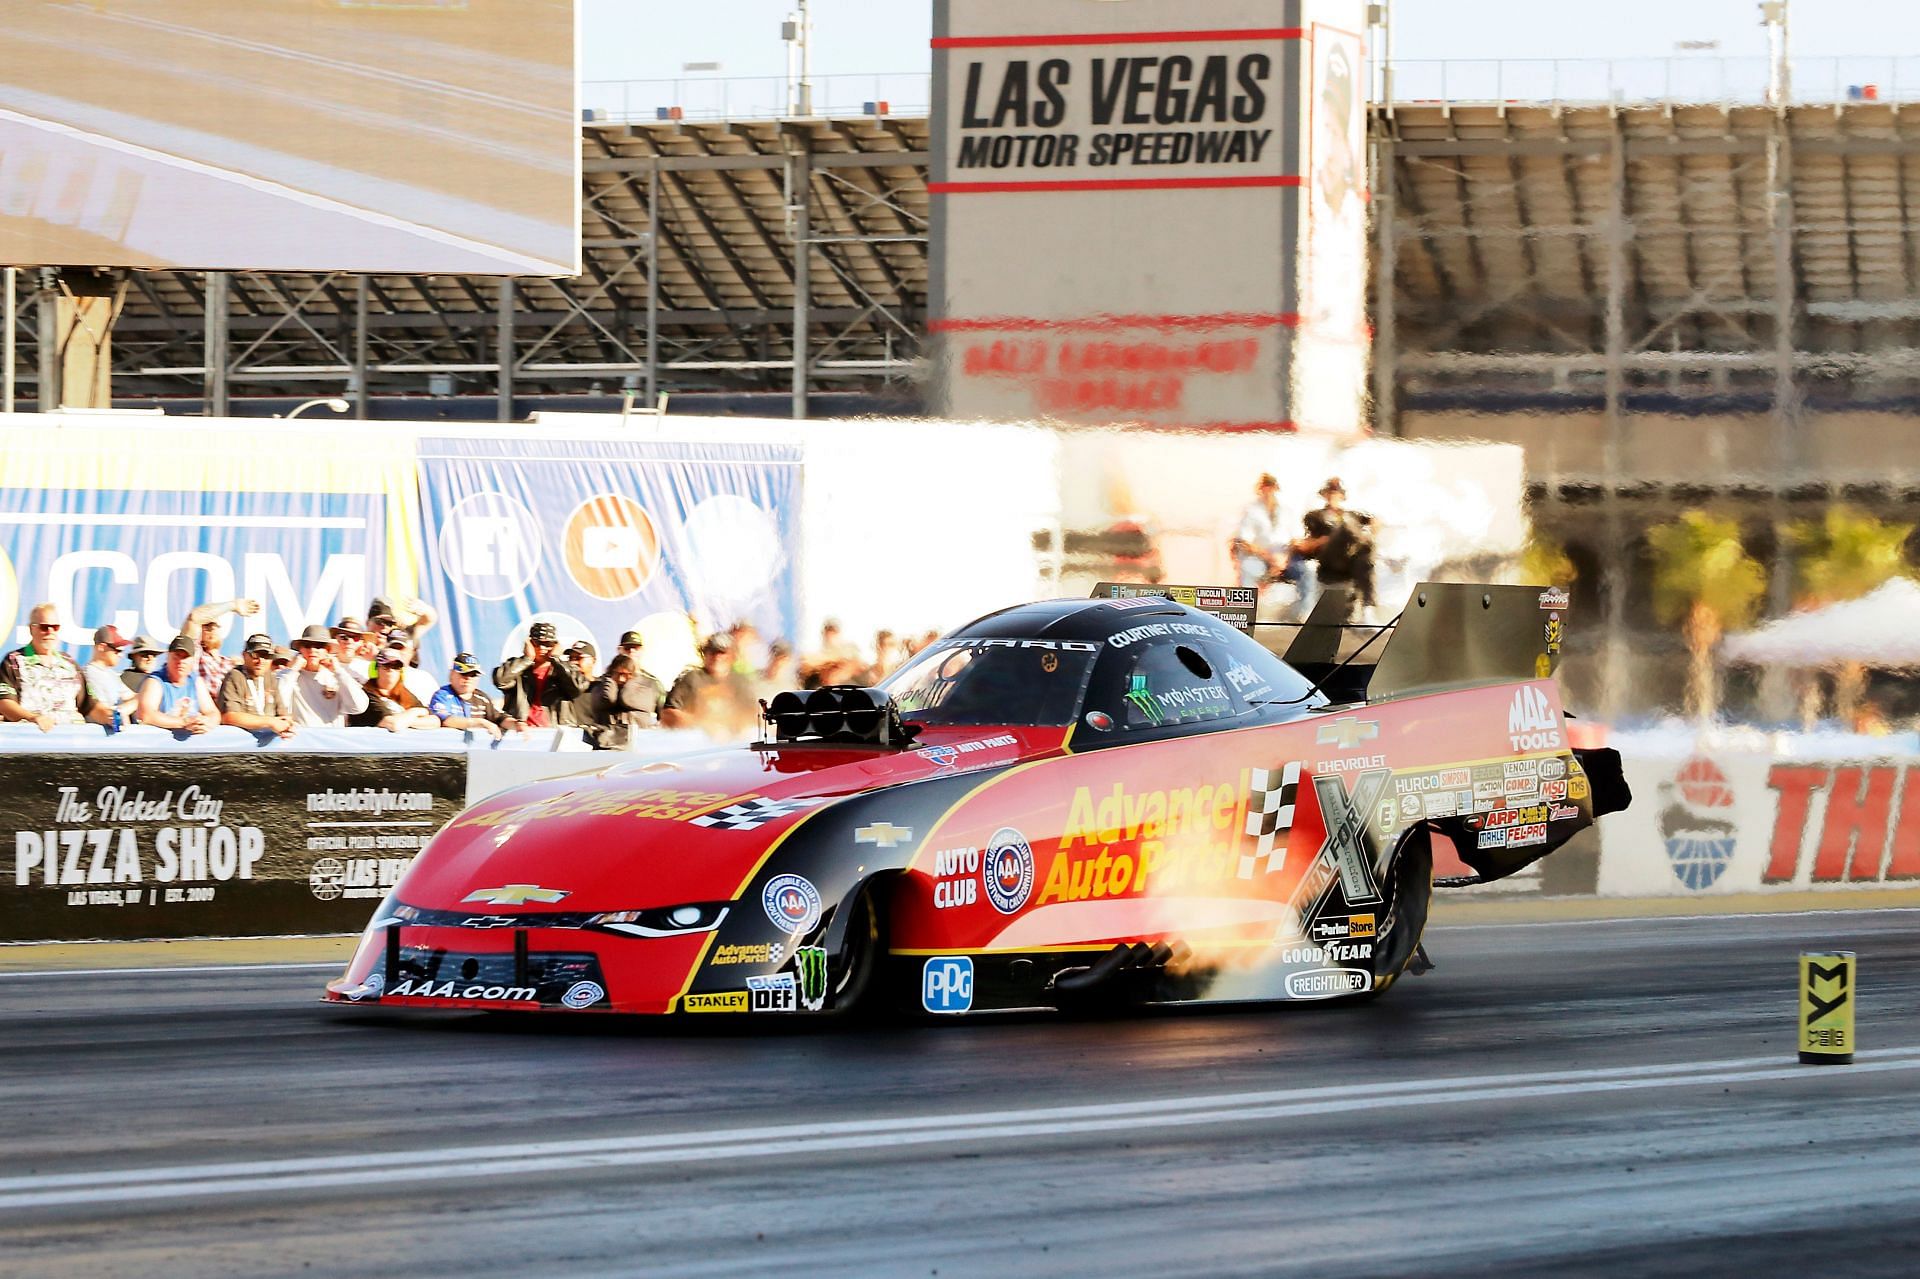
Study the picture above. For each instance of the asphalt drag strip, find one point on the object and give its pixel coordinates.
(1576, 1098)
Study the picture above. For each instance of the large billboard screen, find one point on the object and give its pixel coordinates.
(404, 136)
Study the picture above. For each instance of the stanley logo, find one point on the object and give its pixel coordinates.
(725, 1001)
(514, 895)
(1346, 732)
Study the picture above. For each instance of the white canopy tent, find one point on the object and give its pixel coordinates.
(1881, 628)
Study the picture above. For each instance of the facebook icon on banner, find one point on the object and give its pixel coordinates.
(946, 984)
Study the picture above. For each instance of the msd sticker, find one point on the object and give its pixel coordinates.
(946, 984)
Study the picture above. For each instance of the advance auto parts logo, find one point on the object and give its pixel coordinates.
(1696, 822)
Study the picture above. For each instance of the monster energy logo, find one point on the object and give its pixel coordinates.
(810, 963)
(1141, 699)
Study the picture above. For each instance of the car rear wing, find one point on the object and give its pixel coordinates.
(1449, 635)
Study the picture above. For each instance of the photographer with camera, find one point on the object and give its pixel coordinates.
(1340, 541)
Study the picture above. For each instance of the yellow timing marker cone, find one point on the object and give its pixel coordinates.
(1826, 1007)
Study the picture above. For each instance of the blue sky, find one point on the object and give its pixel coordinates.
(651, 39)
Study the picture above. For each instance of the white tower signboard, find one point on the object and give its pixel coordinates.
(1151, 211)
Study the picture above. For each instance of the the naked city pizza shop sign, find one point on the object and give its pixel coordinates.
(131, 846)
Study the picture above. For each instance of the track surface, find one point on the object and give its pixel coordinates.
(1592, 1098)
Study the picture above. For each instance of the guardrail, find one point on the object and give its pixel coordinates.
(1688, 78)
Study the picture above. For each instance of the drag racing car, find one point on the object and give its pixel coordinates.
(1065, 804)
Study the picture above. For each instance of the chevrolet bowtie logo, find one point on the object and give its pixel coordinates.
(514, 895)
(1347, 732)
(885, 834)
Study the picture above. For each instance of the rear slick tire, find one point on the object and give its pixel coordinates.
(1405, 917)
(851, 975)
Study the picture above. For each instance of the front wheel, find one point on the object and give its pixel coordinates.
(851, 984)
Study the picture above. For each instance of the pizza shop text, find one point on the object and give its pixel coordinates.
(105, 844)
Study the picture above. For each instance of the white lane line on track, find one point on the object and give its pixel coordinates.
(192, 1181)
(1855, 912)
(173, 968)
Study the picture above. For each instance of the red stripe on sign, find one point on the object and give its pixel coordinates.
(1112, 323)
(1116, 37)
(1112, 184)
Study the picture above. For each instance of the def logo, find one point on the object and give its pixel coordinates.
(946, 984)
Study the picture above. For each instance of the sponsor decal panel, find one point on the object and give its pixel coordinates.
(956, 874)
(957, 754)
(810, 977)
(1343, 928)
(751, 953)
(792, 903)
(946, 984)
(584, 994)
(138, 845)
(1327, 983)
(656, 802)
(1532, 724)
(723, 1001)
(428, 988)
(1006, 871)
(775, 993)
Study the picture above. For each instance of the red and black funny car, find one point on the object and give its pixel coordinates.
(1063, 803)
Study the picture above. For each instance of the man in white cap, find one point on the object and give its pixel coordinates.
(319, 692)
(141, 660)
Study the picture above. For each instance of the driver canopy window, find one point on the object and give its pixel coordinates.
(987, 682)
(1171, 684)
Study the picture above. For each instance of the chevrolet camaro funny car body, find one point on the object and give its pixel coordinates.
(1061, 804)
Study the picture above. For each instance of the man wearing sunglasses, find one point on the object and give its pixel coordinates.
(250, 696)
(390, 704)
(41, 684)
(536, 682)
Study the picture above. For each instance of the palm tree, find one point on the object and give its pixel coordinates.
(1844, 555)
(1704, 579)
(1546, 561)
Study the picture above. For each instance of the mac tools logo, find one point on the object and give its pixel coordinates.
(1696, 822)
(1531, 723)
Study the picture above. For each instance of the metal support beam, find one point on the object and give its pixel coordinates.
(218, 358)
(12, 275)
(47, 318)
(653, 288)
(362, 310)
(800, 187)
(1386, 345)
(503, 351)
(1613, 673)
(1786, 459)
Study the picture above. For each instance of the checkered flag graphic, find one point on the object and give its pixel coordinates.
(1270, 816)
(754, 813)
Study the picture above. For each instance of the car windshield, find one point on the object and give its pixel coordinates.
(994, 681)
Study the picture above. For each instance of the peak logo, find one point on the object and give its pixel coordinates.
(1531, 722)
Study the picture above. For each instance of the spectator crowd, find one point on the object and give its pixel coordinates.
(368, 674)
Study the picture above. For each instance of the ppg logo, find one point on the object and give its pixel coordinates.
(946, 985)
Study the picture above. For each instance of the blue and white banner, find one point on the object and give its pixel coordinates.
(134, 526)
(601, 537)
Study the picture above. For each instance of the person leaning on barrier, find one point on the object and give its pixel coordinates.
(250, 696)
(461, 704)
(390, 703)
(319, 692)
(355, 644)
(418, 682)
(203, 627)
(141, 660)
(40, 684)
(103, 680)
(621, 700)
(536, 683)
(578, 713)
(175, 696)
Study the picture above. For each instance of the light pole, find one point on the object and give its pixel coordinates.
(798, 33)
(334, 403)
